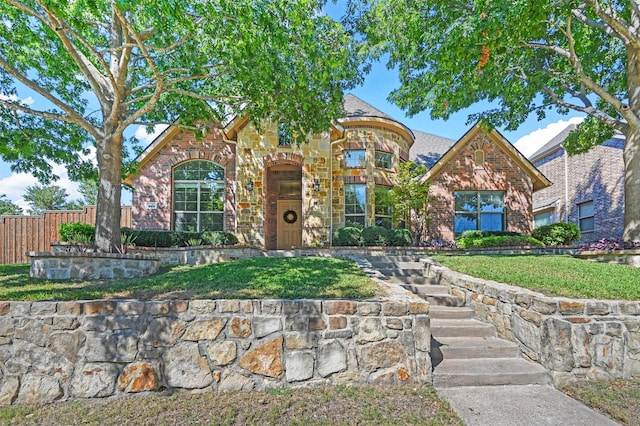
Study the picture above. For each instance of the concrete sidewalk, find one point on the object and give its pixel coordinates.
(528, 405)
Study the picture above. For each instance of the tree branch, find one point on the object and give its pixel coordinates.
(615, 22)
(97, 81)
(71, 117)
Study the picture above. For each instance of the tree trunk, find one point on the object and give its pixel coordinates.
(109, 153)
(632, 185)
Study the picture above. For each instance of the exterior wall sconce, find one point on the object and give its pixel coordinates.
(249, 185)
(316, 185)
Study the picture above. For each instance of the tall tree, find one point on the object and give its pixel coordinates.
(7, 207)
(89, 190)
(103, 66)
(527, 56)
(45, 197)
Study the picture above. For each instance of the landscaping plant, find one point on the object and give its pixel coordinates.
(557, 234)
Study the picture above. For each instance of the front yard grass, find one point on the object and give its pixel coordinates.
(617, 399)
(563, 276)
(397, 405)
(257, 278)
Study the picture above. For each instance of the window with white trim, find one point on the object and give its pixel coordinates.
(384, 160)
(479, 210)
(542, 219)
(355, 204)
(198, 196)
(586, 217)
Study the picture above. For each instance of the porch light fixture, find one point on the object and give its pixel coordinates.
(316, 185)
(249, 185)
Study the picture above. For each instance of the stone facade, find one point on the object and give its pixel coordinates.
(574, 339)
(266, 177)
(597, 176)
(60, 350)
(90, 266)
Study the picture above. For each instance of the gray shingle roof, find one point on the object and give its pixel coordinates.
(554, 143)
(356, 107)
(428, 148)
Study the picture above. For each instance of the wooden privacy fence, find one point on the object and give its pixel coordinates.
(19, 234)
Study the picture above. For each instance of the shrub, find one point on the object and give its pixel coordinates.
(437, 243)
(498, 241)
(401, 237)
(218, 238)
(348, 236)
(482, 234)
(559, 233)
(150, 238)
(376, 236)
(77, 232)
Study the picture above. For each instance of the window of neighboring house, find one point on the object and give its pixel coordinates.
(355, 204)
(284, 134)
(542, 219)
(355, 158)
(198, 196)
(384, 160)
(586, 219)
(384, 209)
(479, 210)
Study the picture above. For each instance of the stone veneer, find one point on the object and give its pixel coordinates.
(88, 349)
(573, 338)
(90, 266)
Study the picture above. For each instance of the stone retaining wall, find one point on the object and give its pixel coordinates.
(58, 350)
(90, 266)
(573, 338)
(621, 257)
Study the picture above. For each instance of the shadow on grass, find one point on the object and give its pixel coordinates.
(259, 278)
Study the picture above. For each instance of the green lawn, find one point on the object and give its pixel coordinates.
(258, 278)
(552, 275)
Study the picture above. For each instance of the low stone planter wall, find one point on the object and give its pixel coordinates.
(622, 257)
(572, 338)
(196, 255)
(59, 350)
(90, 266)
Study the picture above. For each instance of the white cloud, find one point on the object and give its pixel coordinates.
(532, 142)
(146, 138)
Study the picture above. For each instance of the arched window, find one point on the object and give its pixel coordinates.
(198, 196)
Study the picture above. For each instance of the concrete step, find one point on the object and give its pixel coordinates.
(450, 312)
(461, 328)
(400, 272)
(445, 300)
(446, 348)
(392, 259)
(414, 279)
(486, 371)
(426, 289)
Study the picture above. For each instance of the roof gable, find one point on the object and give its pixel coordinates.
(539, 180)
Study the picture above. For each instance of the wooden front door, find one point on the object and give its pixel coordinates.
(289, 232)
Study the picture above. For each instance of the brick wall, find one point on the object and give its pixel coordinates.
(498, 173)
(153, 181)
(597, 176)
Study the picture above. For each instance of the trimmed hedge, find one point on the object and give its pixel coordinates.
(557, 234)
(148, 238)
(497, 241)
(372, 236)
(483, 234)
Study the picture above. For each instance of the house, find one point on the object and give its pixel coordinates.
(275, 194)
(588, 189)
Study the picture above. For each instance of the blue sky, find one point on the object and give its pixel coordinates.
(375, 90)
